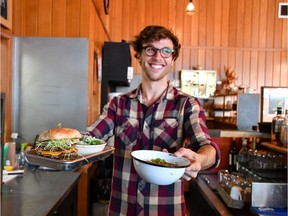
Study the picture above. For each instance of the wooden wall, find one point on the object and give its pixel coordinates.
(6, 79)
(246, 35)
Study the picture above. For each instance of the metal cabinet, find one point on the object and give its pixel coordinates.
(239, 111)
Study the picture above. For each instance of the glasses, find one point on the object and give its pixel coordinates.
(165, 52)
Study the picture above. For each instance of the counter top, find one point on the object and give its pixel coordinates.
(237, 133)
(37, 192)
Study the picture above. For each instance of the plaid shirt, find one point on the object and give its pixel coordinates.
(162, 125)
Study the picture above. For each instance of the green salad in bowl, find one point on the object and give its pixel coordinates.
(90, 145)
(89, 140)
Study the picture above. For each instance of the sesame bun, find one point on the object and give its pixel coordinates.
(59, 133)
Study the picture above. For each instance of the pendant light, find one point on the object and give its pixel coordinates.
(190, 9)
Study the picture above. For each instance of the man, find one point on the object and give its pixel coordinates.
(154, 116)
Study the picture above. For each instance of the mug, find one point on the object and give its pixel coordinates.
(235, 193)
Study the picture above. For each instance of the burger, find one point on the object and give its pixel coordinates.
(58, 143)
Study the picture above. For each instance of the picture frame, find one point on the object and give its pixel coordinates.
(271, 98)
(6, 13)
(283, 10)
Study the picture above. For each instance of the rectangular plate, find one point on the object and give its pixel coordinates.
(34, 159)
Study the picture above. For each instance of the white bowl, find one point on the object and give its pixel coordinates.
(89, 149)
(158, 174)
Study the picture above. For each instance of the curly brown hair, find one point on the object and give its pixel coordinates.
(155, 33)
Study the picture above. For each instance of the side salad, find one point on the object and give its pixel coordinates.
(89, 140)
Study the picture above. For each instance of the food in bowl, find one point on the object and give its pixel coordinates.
(90, 145)
(162, 162)
(58, 143)
(156, 173)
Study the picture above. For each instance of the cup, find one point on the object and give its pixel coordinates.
(235, 193)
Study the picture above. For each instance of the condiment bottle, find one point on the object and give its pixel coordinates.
(243, 155)
(276, 127)
(233, 157)
(284, 130)
(252, 153)
(22, 156)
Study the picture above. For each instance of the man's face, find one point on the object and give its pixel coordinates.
(156, 59)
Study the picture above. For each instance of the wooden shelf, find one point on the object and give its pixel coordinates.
(275, 148)
(226, 123)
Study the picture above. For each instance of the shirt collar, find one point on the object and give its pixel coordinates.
(168, 95)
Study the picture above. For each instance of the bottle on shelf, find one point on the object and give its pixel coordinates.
(233, 157)
(252, 153)
(276, 127)
(21, 158)
(243, 155)
(284, 131)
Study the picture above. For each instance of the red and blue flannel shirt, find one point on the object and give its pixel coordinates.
(164, 124)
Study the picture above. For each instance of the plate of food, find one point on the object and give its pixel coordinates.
(157, 167)
(56, 148)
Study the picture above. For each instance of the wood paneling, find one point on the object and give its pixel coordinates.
(247, 35)
(6, 79)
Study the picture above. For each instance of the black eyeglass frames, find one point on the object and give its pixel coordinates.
(165, 52)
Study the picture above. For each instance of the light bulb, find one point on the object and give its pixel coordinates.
(190, 9)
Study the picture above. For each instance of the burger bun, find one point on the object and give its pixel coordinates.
(59, 133)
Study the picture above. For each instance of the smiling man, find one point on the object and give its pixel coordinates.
(154, 116)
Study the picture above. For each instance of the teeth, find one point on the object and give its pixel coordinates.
(157, 66)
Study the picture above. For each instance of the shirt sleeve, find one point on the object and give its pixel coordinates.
(103, 127)
(196, 129)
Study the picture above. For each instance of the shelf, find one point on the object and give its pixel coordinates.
(225, 95)
(224, 122)
(224, 109)
(237, 110)
(275, 148)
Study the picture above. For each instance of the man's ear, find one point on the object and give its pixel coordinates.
(139, 59)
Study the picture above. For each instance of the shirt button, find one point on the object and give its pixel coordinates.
(141, 186)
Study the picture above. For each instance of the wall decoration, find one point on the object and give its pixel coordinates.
(271, 98)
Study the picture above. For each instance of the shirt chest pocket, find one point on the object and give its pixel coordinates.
(165, 132)
(127, 130)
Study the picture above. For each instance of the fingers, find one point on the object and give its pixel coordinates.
(186, 153)
(188, 175)
(164, 150)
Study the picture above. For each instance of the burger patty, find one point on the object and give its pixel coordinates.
(67, 154)
(58, 149)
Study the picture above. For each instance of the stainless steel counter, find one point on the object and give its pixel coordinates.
(237, 133)
(38, 192)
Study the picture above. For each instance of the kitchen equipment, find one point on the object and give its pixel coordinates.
(230, 202)
(50, 84)
(269, 198)
(116, 67)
